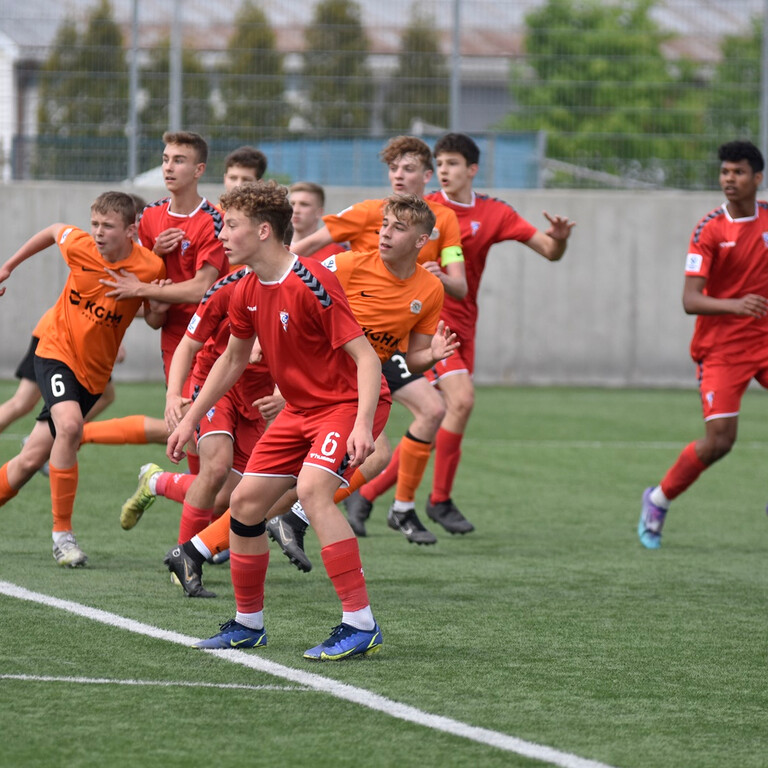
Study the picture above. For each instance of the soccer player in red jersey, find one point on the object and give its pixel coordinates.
(336, 404)
(726, 285)
(308, 200)
(483, 221)
(76, 351)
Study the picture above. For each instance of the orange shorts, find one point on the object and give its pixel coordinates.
(296, 438)
(721, 385)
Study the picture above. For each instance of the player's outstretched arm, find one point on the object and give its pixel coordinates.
(181, 362)
(125, 285)
(552, 243)
(360, 444)
(697, 302)
(38, 242)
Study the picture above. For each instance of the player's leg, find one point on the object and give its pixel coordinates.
(21, 402)
(107, 398)
(21, 468)
(721, 388)
(459, 393)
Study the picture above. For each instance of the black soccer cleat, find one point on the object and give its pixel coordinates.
(447, 514)
(358, 511)
(187, 571)
(410, 526)
(288, 531)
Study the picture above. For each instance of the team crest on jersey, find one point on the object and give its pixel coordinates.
(474, 227)
(416, 306)
(765, 239)
(184, 245)
(434, 234)
(284, 317)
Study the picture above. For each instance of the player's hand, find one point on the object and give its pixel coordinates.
(125, 284)
(751, 305)
(444, 343)
(269, 406)
(120, 354)
(433, 267)
(174, 449)
(4, 275)
(560, 226)
(168, 240)
(175, 408)
(156, 306)
(360, 445)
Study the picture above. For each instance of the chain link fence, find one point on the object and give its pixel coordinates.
(630, 93)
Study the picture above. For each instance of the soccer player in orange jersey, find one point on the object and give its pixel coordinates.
(483, 221)
(336, 404)
(75, 355)
(409, 164)
(726, 286)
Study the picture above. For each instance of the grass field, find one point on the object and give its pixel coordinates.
(549, 624)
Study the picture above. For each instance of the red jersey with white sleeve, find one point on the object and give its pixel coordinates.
(199, 246)
(302, 321)
(210, 326)
(732, 254)
(483, 222)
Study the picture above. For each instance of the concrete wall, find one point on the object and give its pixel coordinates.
(608, 314)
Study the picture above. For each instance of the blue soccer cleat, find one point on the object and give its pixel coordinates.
(346, 641)
(651, 522)
(235, 635)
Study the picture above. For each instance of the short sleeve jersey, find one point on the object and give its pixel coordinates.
(360, 223)
(387, 308)
(210, 327)
(485, 221)
(87, 326)
(732, 255)
(302, 321)
(199, 246)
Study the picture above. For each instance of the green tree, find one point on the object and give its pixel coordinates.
(419, 90)
(340, 87)
(84, 101)
(596, 80)
(252, 81)
(734, 109)
(196, 108)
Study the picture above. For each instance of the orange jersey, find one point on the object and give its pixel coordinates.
(43, 323)
(87, 326)
(359, 226)
(387, 308)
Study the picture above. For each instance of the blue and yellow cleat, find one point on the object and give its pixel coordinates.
(651, 522)
(346, 641)
(234, 636)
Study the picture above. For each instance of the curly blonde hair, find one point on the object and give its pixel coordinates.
(407, 145)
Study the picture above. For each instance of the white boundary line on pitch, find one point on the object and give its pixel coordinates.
(156, 683)
(319, 683)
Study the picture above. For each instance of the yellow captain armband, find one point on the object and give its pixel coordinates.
(451, 255)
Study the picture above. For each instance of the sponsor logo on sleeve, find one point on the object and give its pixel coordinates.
(693, 262)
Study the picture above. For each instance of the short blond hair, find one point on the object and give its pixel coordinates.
(116, 202)
(411, 209)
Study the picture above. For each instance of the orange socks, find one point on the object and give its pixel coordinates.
(128, 430)
(345, 569)
(383, 481)
(356, 481)
(414, 456)
(216, 535)
(683, 473)
(6, 492)
(63, 490)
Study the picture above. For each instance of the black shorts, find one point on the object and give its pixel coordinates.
(26, 368)
(58, 383)
(396, 372)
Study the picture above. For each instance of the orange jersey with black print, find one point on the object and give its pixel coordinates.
(87, 326)
(360, 223)
(387, 308)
